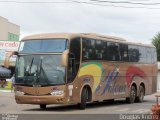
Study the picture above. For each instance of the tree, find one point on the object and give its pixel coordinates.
(156, 43)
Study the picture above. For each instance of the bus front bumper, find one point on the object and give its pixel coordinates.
(48, 99)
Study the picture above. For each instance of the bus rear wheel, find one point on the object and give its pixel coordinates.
(84, 96)
(140, 96)
(132, 97)
(43, 106)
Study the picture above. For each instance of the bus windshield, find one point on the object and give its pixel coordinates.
(39, 70)
(43, 45)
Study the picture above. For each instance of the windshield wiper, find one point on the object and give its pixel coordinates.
(40, 67)
(28, 71)
(30, 67)
(40, 71)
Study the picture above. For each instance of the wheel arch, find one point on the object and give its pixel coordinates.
(88, 87)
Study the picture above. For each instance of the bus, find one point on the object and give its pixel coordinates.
(78, 68)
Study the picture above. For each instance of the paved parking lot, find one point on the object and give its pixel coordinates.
(8, 105)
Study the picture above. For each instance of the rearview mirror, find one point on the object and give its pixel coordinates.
(64, 58)
(7, 57)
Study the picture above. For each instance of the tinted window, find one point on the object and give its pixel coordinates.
(113, 51)
(148, 55)
(123, 52)
(105, 54)
(154, 55)
(133, 53)
(54, 45)
(142, 54)
(89, 51)
(74, 59)
(100, 50)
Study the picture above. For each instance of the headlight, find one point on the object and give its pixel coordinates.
(57, 92)
(19, 93)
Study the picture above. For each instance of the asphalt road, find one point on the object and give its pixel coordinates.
(9, 106)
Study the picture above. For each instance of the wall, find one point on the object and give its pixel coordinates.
(7, 28)
(9, 39)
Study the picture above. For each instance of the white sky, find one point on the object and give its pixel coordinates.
(138, 25)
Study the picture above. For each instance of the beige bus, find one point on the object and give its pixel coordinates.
(81, 68)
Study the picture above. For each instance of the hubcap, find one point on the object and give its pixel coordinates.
(141, 95)
(133, 95)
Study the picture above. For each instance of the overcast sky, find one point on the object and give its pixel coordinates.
(135, 24)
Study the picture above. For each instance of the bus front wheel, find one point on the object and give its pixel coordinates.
(43, 106)
(132, 96)
(84, 96)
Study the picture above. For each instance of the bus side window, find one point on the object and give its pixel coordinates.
(149, 55)
(99, 50)
(154, 55)
(89, 52)
(86, 49)
(123, 52)
(113, 51)
(86, 53)
(133, 53)
(92, 51)
(143, 56)
(74, 59)
(105, 50)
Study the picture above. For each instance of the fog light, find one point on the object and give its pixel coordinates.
(57, 92)
(19, 93)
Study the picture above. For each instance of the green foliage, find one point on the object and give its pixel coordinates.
(156, 43)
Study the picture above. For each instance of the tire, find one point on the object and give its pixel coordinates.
(43, 106)
(84, 96)
(141, 94)
(132, 97)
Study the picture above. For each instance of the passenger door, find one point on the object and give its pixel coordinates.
(74, 59)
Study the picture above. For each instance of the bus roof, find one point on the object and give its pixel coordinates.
(70, 36)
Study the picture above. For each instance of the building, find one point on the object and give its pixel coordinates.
(9, 39)
(8, 31)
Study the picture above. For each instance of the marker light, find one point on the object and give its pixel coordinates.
(19, 93)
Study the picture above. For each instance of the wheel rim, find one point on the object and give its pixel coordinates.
(141, 94)
(133, 95)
